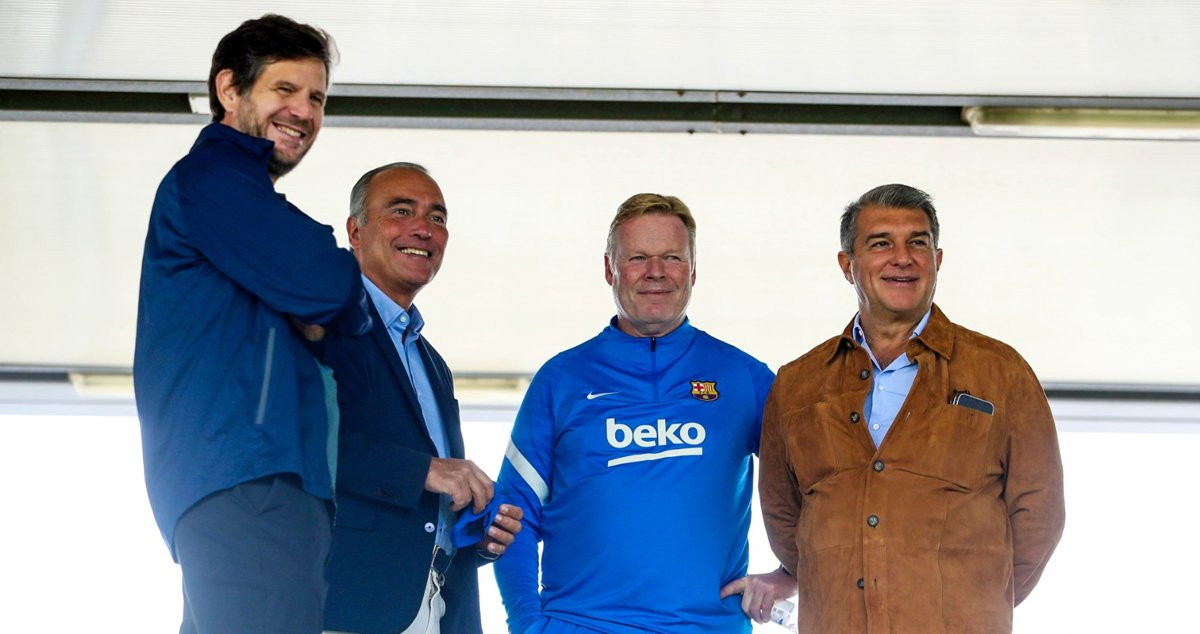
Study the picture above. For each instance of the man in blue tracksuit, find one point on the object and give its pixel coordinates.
(632, 454)
(231, 403)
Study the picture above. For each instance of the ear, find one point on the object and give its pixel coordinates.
(845, 260)
(227, 94)
(352, 232)
(608, 272)
(938, 261)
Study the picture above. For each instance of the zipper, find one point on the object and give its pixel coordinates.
(266, 383)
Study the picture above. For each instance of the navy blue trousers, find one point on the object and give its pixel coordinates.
(253, 559)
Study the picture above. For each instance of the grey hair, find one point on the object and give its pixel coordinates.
(358, 193)
(894, 196)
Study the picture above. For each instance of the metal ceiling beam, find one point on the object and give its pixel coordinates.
(570, 109)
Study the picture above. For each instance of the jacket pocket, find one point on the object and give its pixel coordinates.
(266, 380)
(958, 447)
(817, 446)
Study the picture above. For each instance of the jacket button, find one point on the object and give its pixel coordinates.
(864, 374)
(854, 417)
(860, 583)
(429, 527)
(872, 521)
(878, 466)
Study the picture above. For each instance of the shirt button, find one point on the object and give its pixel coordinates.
(429, 527)
(875, 426)
(878, 466)
(860, 583)
(864, 374)
(872, 521)
(854, 417)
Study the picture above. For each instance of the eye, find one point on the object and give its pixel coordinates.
(637, 258)
(919, 242)
(673, 258)
(401, 211)
(439, 218)
(879, 244)
(318, 100)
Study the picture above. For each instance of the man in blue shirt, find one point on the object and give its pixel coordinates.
(402, 476)
(632, 454)
(234, 425)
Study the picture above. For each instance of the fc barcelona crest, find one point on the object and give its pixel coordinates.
(705, 390)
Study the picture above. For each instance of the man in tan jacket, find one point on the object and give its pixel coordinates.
(911, 479)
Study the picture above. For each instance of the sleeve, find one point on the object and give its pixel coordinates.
(525, 477)
(762, 377)
(376, 469)
(292, 263)
(777, 489)
(1033, 491)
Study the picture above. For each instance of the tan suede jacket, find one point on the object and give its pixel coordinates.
(947, 525)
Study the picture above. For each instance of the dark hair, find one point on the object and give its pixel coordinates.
(894, 196)
(249, 48)
(358, 193)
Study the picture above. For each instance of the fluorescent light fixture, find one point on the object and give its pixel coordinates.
(102, 385)
(1084, 123)
(199, 103)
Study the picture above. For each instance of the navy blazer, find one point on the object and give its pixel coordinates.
(384, 525)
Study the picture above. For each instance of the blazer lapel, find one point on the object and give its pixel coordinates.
(443, 387)
(383, 340)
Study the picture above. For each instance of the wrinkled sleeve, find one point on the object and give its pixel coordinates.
(292, 263)
(1033, 491)
(777, 489)
(525, 477)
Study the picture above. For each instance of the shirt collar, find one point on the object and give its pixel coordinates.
(934, 332)
(860, 337)
(394, 317)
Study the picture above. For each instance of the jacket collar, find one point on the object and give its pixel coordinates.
(259, 148)
(937, 336)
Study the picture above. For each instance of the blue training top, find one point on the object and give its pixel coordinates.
(632, 458)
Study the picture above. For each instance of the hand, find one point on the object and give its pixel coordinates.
(760, 592)
(503, 529)
(461, 480)
(311, 332)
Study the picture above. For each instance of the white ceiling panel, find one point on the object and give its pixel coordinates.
(1120, 48)
(1078, 253)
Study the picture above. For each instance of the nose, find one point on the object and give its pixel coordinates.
(301, 106)
(422, 228)
(901, 255)
(655, 268)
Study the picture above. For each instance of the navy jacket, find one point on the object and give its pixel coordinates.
(385, 520)
(226, 392)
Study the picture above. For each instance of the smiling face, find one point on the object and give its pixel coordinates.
(651, 272)
(400, 245)
(894, 264)
(285, 105)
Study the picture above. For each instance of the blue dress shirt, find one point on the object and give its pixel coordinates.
(404, 327)
(889, 386)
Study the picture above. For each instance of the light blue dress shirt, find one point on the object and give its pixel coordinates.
(404, 327)
(889, 386)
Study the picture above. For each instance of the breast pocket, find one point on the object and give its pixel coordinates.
(824, 440)
(959, 446)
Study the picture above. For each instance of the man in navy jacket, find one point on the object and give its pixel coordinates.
(401, 476)
(234, 425)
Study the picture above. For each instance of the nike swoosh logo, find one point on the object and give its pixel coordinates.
(591, 396)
